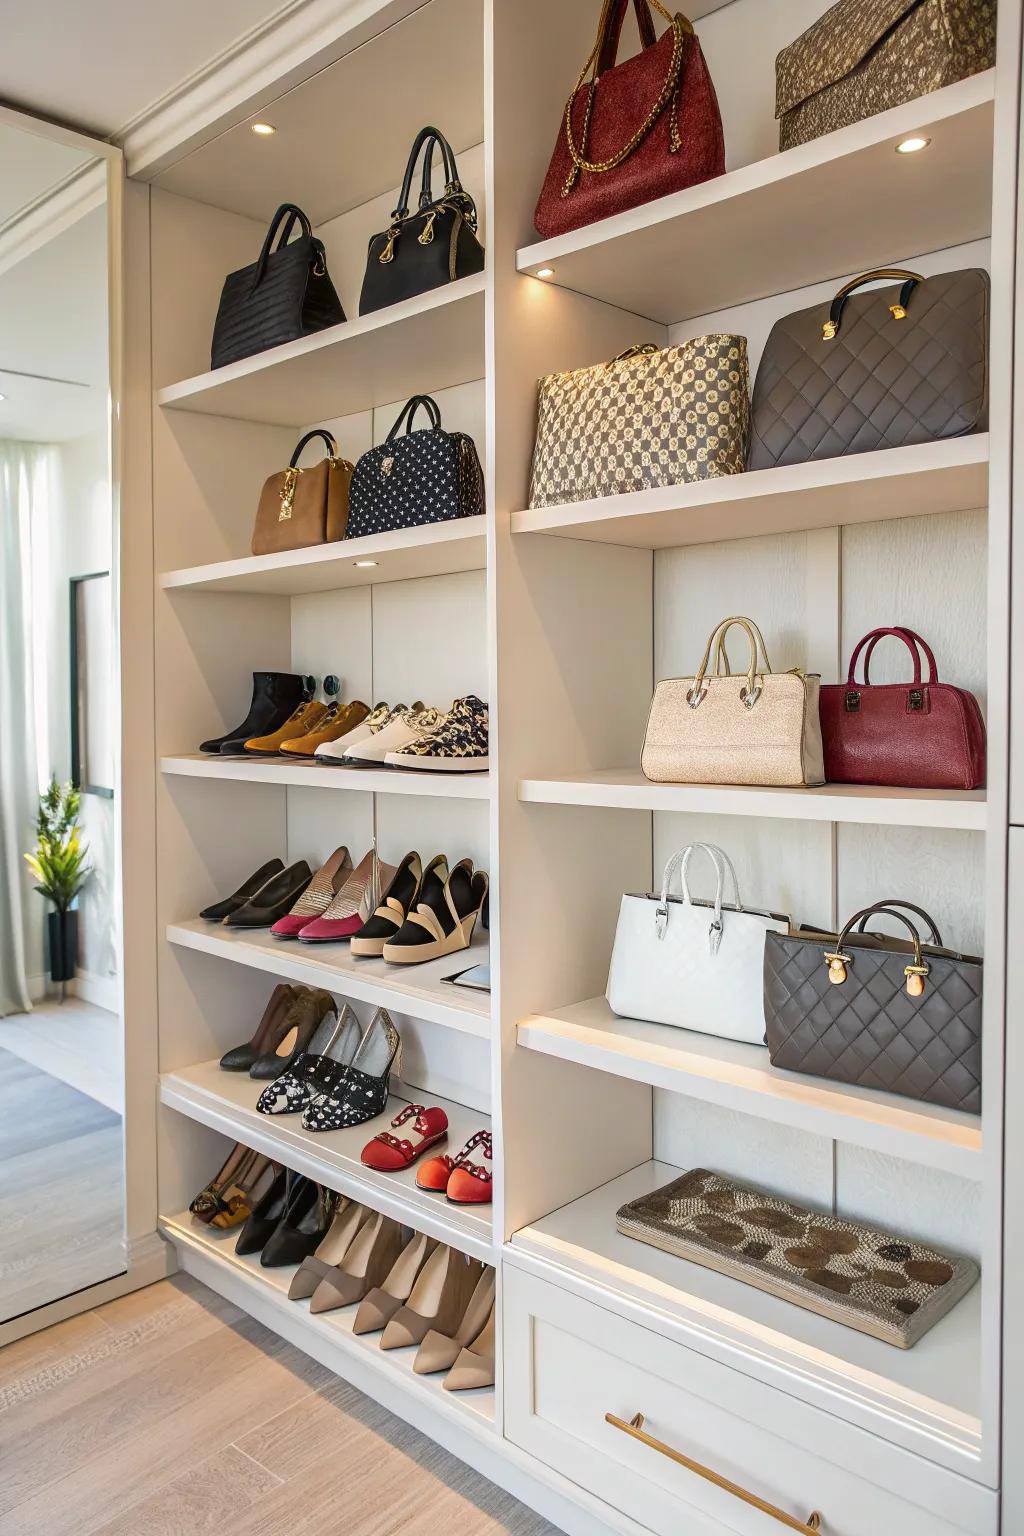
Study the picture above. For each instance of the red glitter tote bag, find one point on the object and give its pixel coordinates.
(634, 131)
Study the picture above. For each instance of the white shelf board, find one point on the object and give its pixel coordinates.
(413, 989)
(741, 1077)
(435, 549)
(226, 1101)
(430, 342)
(326, 1336)
(926, 1398)
(841, 204)
(624, 789)
(949, 476)
(301, 773)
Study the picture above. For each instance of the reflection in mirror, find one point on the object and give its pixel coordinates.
(61, 1067)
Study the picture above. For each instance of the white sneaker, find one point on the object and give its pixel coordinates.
(401, 732)
(335, 751)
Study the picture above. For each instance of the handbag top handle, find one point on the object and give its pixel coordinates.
(428, 139)
(606, 48)
(284, 220)
(887, 908)
(611, 28)
(914, 643)
(322, 432)
(911, 280)
(722, 862)
(915, 973)
(752, 692)
(408, 413)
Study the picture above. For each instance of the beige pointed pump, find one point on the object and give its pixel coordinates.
(438, 1300)
(380, 1304)
(439, 1351)
(348, 1219)
(367, 1263)
(475, 1366)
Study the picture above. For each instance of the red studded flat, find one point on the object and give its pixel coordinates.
(470, 1182)
(387, 1153)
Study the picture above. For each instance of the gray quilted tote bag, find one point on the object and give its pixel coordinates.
(876, 1011)
(880, 369)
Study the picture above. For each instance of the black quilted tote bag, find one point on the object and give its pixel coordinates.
(433, 245)
(286, 293)
(880, 1012)
(431, 476)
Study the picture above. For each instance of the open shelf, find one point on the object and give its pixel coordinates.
(414, 989)
(326, 1336)
(305, 774)
(841, 204)
(926, 1398)
(947, 476)
(435, 549)
(428, 343)
(624, 789)
(226, 1101)
(740, 1077)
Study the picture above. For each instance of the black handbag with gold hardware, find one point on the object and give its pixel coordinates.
(419, 477)
(434, 245)
(878, 369)
(287, 293)
(865, 1008)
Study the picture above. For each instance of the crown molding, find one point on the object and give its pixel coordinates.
(300, 39)
(54, 211)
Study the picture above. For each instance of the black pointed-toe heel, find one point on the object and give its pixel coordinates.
(266, 1214)
(303, 1226)
(246, 891)
(241, 1058)
(273, 900)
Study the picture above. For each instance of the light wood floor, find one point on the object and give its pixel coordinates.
(61, 1189)
(170, 1413)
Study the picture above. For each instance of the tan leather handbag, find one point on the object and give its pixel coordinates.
(758, 728)
(302, 507)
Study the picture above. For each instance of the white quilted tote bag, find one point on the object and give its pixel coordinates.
(695, 964)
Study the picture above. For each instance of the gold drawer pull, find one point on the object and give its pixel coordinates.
(635, 1428)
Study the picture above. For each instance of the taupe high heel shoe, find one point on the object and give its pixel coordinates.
(475, 1366)
(379, 1306)
(438, 1299)
(439, 1351)
(349, 1218)
(366, 1263)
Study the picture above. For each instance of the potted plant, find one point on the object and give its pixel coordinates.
(58, 863)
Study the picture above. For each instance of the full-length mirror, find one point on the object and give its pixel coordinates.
(61, 1038)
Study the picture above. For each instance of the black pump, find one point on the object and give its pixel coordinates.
(303, 1226)
(266, 1214)
(275, 695)
(219, 910)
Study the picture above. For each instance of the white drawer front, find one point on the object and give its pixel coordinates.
(569, 1362)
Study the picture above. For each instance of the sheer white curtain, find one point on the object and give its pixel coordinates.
(26, 492)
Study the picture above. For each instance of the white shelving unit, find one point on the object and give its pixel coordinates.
(563, 619)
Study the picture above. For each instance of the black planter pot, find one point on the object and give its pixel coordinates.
(63, 928)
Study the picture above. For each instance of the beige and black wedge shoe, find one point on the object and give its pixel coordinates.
(444, 916)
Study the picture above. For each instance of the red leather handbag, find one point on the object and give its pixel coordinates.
(918, 735)
(634, 131)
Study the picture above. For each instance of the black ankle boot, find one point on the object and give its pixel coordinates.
(274, 696)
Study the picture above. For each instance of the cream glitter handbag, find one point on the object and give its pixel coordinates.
(761, 728)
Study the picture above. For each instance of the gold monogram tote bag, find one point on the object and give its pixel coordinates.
(648, 418)
(760, 728)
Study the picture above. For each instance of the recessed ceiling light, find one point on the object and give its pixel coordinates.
(545, 271)
(911, 146)
(263, 129)
(366, 565)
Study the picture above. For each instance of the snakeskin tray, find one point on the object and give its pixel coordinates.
(887, 1286)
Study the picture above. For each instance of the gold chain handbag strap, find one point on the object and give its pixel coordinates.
(681, 27)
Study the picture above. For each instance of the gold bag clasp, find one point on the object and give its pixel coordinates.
(837, 964)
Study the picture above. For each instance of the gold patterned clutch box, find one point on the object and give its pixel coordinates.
(648, 418)
(887, 1286)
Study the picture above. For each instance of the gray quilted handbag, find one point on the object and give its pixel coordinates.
(876, 1011)
(881, 369)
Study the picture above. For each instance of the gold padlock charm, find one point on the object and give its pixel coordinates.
(915, 975)
(837, 968)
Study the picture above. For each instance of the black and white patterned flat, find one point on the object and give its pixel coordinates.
(314, 1071)
(361, 1093)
